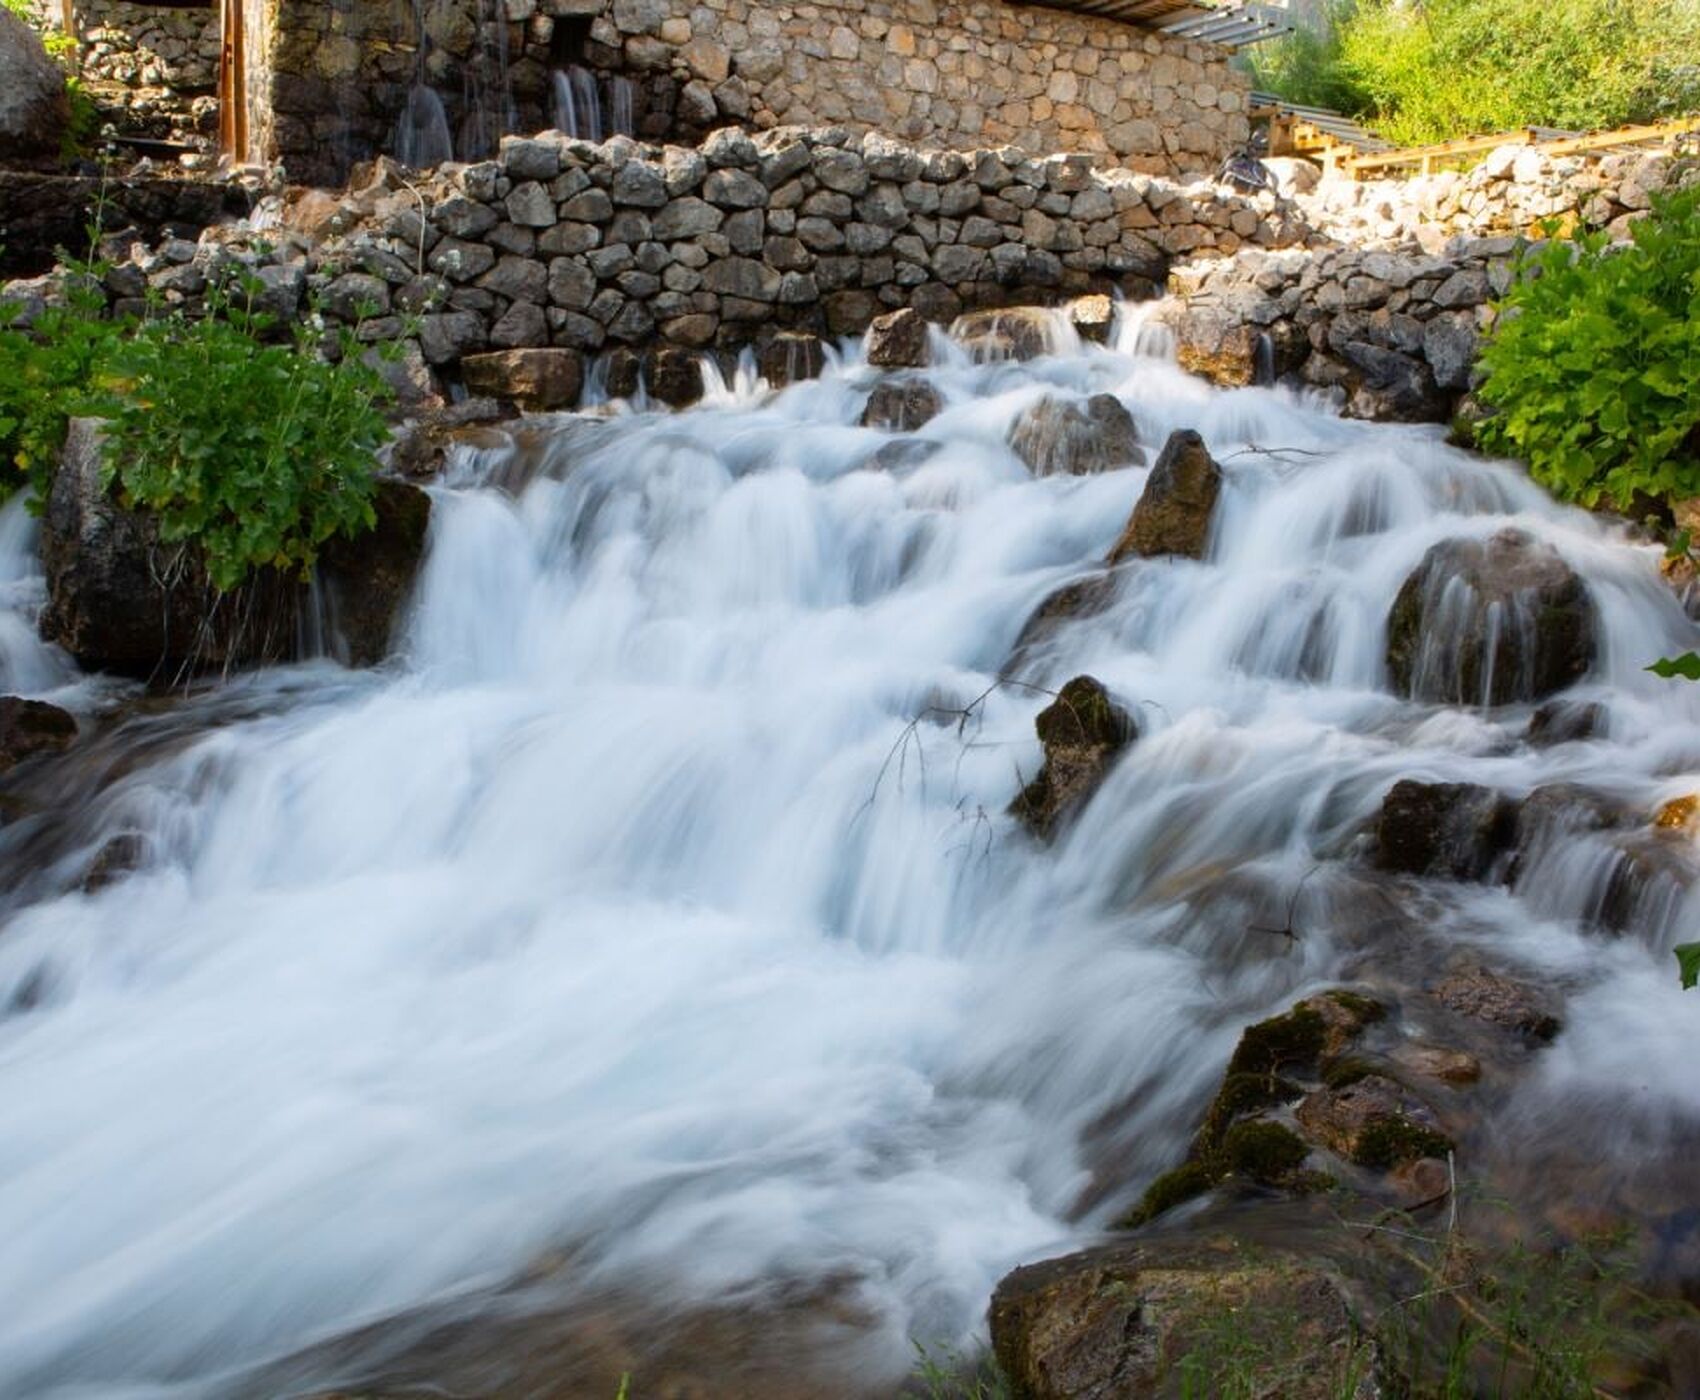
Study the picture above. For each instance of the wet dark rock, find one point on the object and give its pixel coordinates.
(1565, 722)
(367, 580)
(1474, 992)
(901, 405)
(1058, 435)
(32, 727)
(1114, 1321)
(1175, 509)
(118, 599)
(1083, 732)
(1213, 342)
(673, 376)
(1016, 333)
(1454, 830)
(1373, 1121)
(123, 855)
(1073, 602)
(1652, 871)
(537, 380)
(1491, 622)
(790, 358)
(1234, 1139)
(898, 340)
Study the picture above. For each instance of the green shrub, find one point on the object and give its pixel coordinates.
(256, 451)
(1443, 69)
(1594, 363)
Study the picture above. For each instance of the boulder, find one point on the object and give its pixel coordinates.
(1016, 333)
(34, 110)
(538, 380)
(1472, 991)
(32, 727)
(898, 340)
(901, 405)
(366, 581)
(119, 599)
(1059, 435)
(1174, 511)
(1373, 1121)
(1081, 599)
(1116, 1321)
(1213, 343)
(1093, 317)
(1490, 622)
(1454, 830)
(790, 357)
(1083, 732)
(673, 376)
(1565, 722)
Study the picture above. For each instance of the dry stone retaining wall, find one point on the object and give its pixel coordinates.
(582, 247)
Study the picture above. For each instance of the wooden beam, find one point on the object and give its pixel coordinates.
(1624, 136)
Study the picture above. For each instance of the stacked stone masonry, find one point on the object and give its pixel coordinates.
(152, 70)
(974, 73)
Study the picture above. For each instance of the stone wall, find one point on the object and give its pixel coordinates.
(966, 74)
(151, 70)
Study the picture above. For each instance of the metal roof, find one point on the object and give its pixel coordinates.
(1233, 24)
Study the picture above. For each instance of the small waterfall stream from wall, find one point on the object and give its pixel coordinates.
(575, 106)
(621, 97)
(639, 933)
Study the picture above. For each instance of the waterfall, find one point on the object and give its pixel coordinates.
(621, 122)
(652, 930)
(563, 109)
(586, 104)
(422, 135)
(28, 666)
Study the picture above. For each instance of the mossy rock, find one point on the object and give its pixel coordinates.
(1264, 1152)
(1172, 1188)
(1239, 1095)
(1388, 1142)
(1282, 1042)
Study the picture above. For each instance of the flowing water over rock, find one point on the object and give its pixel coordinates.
(654, 928)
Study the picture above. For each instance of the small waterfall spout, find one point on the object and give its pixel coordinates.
(586, 105)
(621, 121)
(422, 135)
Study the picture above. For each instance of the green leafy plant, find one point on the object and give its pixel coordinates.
(1448, 68)
(1688, 964)
(257, 452)
(945, 1374)
(1594, 362)
(253, 450)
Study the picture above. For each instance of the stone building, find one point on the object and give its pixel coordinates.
(321, 84)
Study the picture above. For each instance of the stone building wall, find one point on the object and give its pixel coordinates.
(963, 74)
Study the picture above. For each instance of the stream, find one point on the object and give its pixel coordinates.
(653, 926)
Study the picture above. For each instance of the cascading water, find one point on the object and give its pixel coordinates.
(422, 136)
(654, 929)
(587, 102)
(563, 106)
(621, 101)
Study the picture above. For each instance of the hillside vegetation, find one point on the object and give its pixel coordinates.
(1434, 70)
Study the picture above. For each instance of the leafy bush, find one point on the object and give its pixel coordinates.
(1594, 363)
(1448, 68)
(256, 451)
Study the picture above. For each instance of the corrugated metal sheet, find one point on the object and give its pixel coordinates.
(1232, 24)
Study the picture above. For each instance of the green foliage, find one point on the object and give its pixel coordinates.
(57, 369)
(1305, 66)
(20, 8)
(256, 451)
(945, 1374)
(1685, 667)
(1449, 68)
(1688, 964)
(1594, 363)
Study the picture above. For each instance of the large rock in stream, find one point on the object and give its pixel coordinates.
(1490, 622)
(34, 110)
(1116, 1322)
(120, 599)
(32, 727)
(1175, 509)
(1056, 436)
(1084, 732)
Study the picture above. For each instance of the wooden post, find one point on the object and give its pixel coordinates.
(232, 83)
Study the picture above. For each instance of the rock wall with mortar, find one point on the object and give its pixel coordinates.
(964, 74)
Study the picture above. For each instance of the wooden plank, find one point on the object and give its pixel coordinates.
(1624, 136)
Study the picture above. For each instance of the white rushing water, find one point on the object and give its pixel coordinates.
(629, 914)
